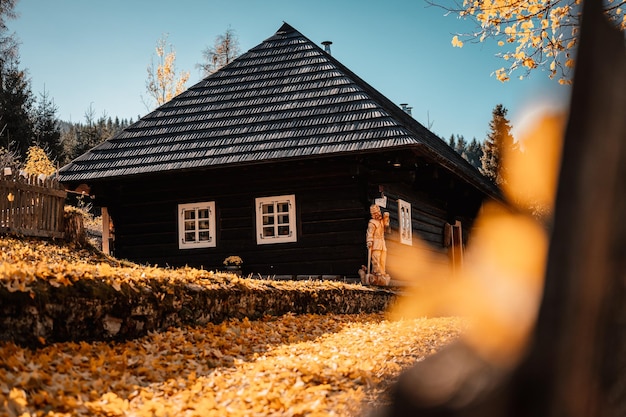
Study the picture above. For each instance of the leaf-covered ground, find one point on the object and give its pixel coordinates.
(289, 366)
(293, 365)
(25, 261)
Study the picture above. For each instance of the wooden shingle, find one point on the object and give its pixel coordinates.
(283, 99)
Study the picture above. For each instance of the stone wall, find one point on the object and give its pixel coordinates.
(93, 310)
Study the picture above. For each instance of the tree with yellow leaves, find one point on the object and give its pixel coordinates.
(37, 162)
(535, 33)
(163, 83)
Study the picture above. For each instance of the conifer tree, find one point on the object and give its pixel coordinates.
(16, 104)
(8, 42)
(47, 127)
(452, 142)
(16, 99)
(78, 138)
(461, 144)
(498, 139)
(474, 153)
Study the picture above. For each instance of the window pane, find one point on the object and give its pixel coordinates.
(196, 224)
(275, 219)
(282, 207)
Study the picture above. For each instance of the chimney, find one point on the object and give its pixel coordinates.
(405, 107)
(327, 46)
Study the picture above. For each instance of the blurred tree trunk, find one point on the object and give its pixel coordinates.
(576, 365)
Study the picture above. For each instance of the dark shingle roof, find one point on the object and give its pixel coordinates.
(285, 98)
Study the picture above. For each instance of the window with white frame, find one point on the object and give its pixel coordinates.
(196, 225)
(404, 219)
(276, 219)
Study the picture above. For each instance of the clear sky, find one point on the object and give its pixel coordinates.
(95, 53)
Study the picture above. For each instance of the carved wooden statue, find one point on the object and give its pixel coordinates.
(376, 248)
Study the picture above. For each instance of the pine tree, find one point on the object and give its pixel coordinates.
(16, 104)
(69, 142)
(78, 138)
(452, 142)
(471, 152)
(474, 153)
(8, 42)
(92, 133)
(16, 99)
(498, 140)
(47, 128)
(461, 145)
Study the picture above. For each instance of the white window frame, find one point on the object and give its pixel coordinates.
(271, 223)
(405, 225)
(210, 242)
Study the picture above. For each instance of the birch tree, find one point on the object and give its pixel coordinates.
(163, 82)
(224, 50)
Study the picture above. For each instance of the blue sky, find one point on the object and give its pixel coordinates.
(95, 53)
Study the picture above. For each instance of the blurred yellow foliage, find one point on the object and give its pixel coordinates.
(500, 286)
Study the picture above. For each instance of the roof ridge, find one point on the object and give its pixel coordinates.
(285, 31)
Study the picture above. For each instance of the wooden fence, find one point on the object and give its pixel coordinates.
(31, 205)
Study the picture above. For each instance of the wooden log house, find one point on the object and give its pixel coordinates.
(277, 158)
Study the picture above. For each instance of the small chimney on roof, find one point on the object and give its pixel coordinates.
(327, 46)
(406, 108)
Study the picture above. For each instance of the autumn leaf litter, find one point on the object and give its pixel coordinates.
(293, 365)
